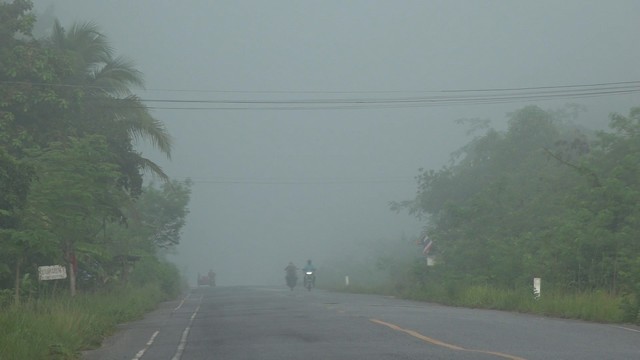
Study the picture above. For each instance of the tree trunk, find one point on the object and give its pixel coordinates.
(17, 293)
(72, 280)
(125, 270)
(614, 281)
(71, 260)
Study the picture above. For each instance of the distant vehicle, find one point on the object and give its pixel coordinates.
(207, 280)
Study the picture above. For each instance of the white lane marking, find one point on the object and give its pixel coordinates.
(149, 343)
(626, 328)
(181, 303)
(185, 334)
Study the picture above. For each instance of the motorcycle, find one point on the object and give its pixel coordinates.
(292, 280)
(309, 280)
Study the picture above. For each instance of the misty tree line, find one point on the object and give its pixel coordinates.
(71, 180)
(544, 198)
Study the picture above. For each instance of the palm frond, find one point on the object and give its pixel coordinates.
(142, 126)
(85, 46)
(153, 168)
(57, 37)
(116, 76)
(86, 40)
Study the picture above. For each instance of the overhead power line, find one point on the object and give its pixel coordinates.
(336, 181)
(366, 101)
(616, 83)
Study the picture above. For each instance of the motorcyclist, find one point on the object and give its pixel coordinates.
(310, 268)
(291, 269)
(292, 276)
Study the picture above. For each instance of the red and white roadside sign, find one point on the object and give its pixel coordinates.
(53, 272)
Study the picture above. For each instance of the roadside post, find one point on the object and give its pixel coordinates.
(536, 288)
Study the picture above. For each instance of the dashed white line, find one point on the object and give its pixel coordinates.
(149, 343)
(185, 334)
(181, 303)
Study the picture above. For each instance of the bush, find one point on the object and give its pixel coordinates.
(163, 273)
(6, 298)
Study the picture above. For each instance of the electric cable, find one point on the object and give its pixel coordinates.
(440, 98)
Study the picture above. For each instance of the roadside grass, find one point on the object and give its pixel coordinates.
(597, 306)
(58, 328)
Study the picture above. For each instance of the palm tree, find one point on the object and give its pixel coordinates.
(106, 82)
(107, 107)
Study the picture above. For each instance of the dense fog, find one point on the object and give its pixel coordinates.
(284, 172)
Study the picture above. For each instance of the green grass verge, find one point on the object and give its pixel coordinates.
(57, 329)
(597, 306)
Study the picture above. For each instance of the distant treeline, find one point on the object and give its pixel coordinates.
(547, 198)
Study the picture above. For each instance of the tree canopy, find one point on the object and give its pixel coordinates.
(544, 198)
(71, 179)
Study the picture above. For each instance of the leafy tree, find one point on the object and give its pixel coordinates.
(15, 179)
(15, 19)
(494, 212)
(163, 210)
(74, 192)
(23, 106)
(615, 205)
(154, 221)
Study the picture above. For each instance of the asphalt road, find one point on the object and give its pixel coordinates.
(275, 323)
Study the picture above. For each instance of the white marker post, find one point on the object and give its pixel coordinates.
(346, 281)
(430, 261)
(536, 288)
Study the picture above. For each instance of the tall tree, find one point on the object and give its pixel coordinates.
(109, 107)
(69, 123)
(27, 104)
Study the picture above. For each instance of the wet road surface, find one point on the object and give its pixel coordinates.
(275, 323)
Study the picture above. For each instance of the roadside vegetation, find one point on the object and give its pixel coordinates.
(59, 326)
(544, 198)
(73, 190)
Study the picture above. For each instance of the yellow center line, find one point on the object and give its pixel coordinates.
(441, 343)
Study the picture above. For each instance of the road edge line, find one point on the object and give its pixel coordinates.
(442, 343)
(626, 328)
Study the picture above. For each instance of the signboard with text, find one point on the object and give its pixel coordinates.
(53, 272)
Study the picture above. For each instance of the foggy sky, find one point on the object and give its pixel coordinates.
(278, 185)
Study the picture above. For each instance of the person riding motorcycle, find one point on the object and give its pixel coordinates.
(292, 277)
(312, 269)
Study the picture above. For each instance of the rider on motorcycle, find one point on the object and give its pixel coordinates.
(312, 269)
(291, 277)
(291, 269)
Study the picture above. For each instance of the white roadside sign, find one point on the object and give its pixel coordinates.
(53, 272)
